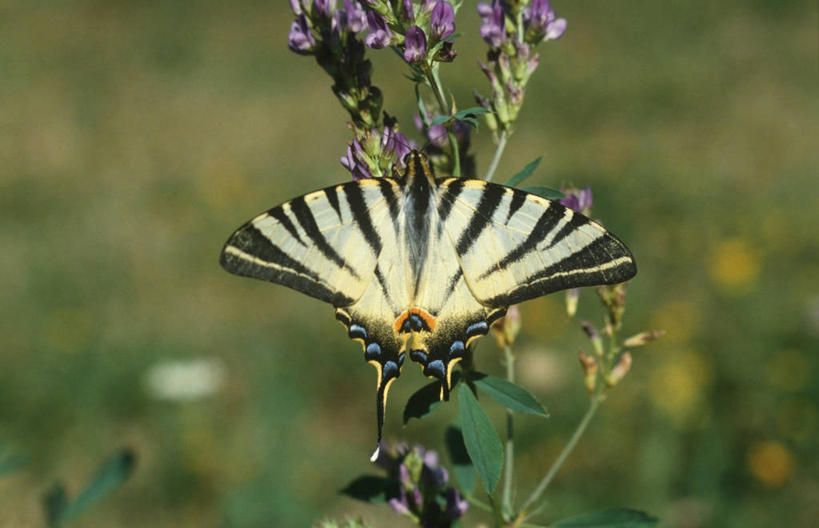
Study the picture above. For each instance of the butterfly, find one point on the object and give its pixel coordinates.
(421, 266)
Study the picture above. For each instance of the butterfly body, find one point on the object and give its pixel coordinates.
(420, 267)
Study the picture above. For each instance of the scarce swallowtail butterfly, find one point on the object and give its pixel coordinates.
(421, 267)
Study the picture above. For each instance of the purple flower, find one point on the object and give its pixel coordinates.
(380, 35)
(324, 8)
(356, 18)
(296, 6)
(400, 504)
(493, 29)
(355, 162)
(540, 19)
(415, 45)
(455, 505)
(442, 20)
(409, 14)
(300, 39)
(395, 143)
(578, 200)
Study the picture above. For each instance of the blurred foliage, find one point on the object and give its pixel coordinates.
(135, 136)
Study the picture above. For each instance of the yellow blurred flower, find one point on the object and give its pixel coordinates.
(677, 386)
(733, 266)
(770, 463)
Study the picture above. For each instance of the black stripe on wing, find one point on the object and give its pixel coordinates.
(361, 215)
(545, 224)
(488, 204)
(308, 223)
(606, 260)
(259, 258)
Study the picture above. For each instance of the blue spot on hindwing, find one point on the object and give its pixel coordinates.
(419, 356)
(457, 349)
(477, 328)
(401, 358)
(373, 351)
(357, 332)
(389, 370)
(436, 368)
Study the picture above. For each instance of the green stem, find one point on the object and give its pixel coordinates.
(509, 455)
(504, 136)
(437, 89)
(581, 428)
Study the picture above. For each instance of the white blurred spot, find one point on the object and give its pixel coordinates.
(184, 380)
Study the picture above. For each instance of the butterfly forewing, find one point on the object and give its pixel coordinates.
(519, 246)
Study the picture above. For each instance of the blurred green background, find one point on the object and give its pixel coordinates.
(135, 136)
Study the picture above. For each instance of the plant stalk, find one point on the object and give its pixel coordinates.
(437, 89)
(504, 136)
(594, 403)
(509, 455)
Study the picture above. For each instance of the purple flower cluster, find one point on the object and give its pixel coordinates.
(511, 59)
(423, 491)
(327, 30)
(324, 19)
(579, 200)
(416, 29)
(375, 154)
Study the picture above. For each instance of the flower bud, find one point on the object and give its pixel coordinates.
(594, 337)
(415, 45)
(643, 338)
(507, 328)
(620, 369)
(572, 298)
(589, 366)
(614, 299)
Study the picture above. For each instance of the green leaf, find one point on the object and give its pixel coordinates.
(426, 399)
(423, 401)
(471, 111)
(372, 488)
(452, 37)
(461, 463)
(439, 120)
(481, 440)
(525, 173)
(470, 120)
(508, 394)
(111, 475)
(617, 518)
(545, 192)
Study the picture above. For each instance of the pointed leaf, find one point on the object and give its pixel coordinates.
(372, 488)
(617, 518)
(524, 173)
(471, 111)
(111, 475)
(469, 120)
(452, 37)
(508, 394)
(439, 120)
(461, 463)
(423, 401)
(545, 192)
(481, 440)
